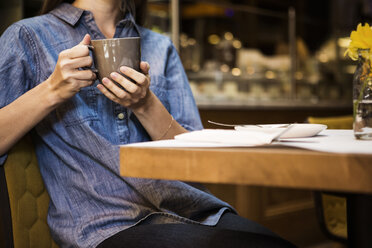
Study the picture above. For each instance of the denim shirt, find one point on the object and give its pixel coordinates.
(77, 144)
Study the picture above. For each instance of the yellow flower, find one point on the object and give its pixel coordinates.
(360, 39)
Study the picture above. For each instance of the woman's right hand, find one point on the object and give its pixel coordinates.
(67, 78)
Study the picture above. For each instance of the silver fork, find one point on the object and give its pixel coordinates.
(240, 125)
(223, 124)
(286, 127)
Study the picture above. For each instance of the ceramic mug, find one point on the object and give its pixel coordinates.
(110, 54)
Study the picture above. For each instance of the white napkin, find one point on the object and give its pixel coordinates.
(227, 136)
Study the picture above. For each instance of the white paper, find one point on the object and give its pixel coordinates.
(225, 136)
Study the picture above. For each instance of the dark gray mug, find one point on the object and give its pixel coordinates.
(110, 54)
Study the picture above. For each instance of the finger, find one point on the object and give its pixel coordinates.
(107, 93)
(81, 49)
(77, 84)
(138, 77)
(78, 51)
(145, 67)
(85, 83)
(86, 40)
(111, 86)
(80, 62)
(86, 75)
(125, 83)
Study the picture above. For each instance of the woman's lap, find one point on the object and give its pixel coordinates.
(233, 221)
(231, 231)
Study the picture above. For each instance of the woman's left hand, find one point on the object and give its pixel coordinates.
(135, 93)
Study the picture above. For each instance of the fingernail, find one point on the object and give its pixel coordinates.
(123, 69)
(114, 75)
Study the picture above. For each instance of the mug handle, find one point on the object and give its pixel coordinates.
(94, 70)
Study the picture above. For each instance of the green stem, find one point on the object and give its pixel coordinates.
(360, 96)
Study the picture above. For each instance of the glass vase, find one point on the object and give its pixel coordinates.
(362, 96)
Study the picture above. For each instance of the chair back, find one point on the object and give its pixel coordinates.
(28, 199)
(334, 122)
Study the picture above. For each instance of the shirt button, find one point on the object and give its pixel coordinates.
(121, 116)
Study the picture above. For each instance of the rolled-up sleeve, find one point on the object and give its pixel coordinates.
(182, 103)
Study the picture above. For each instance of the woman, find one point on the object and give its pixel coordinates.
(78, 123)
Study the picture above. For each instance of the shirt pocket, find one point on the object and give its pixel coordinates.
(81, 108)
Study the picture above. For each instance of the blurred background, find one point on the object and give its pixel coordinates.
(265, 51)
(258, 61)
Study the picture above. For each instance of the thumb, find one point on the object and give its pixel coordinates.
(86, 40)
(145, 67)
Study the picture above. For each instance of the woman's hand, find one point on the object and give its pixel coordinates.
(67, 78)
(136, 92)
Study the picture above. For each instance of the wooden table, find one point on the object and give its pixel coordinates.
(269, 166)
(276, 167)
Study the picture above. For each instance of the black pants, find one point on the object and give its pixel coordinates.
(231, 231)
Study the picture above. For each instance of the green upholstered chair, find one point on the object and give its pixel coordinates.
(24, 200)
(331, 207)
(334, 122)
(331, 211)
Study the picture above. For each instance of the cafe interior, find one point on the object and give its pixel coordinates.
(247, 62)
